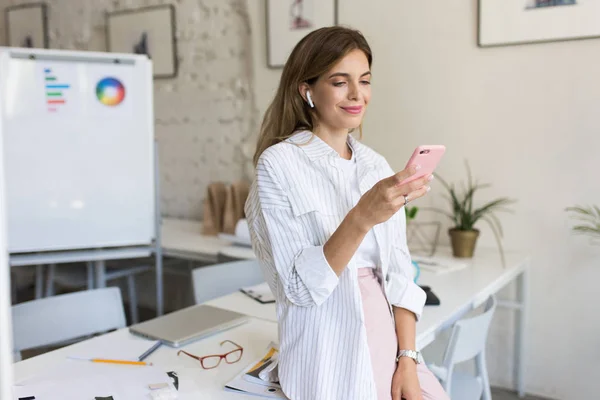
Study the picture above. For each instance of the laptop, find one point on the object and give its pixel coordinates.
(190, 324)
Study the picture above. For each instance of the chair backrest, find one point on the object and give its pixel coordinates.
(469, 336)
(57, 319)
(221, 279)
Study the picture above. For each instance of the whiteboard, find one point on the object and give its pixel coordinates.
(6, 332)
(78, 149)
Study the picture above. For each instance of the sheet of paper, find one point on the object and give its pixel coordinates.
(439, 265)
(76, 380)
(129, 348)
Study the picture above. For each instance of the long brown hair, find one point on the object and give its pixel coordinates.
(314, 55)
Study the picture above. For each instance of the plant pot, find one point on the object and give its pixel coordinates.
(463, 242)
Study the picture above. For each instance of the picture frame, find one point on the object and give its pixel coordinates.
(27, 25)
(502, 23)
(147, 30)
(288, 21)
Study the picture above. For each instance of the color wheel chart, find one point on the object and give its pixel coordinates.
(110, 91)
(54, 91)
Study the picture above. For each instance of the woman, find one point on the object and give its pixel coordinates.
(327, 224)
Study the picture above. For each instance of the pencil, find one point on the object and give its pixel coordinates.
(102, 360)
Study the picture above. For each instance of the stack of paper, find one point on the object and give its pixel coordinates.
(260, 379)
(439, 265)
(241, 236)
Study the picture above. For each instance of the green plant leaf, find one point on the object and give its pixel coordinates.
(491, 207)
(413, 212)
(497, 236)
(495, 219)
(580, 210)
(589, 217)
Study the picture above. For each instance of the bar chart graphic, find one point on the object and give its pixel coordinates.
(55, 91)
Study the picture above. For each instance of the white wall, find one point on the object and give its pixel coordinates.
(526, 118)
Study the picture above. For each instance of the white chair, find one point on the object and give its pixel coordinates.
(221, 279)
(62, 318)
(76, 277)
(467, 341)
(20, 277)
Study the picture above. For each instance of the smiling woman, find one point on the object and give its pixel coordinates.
(326, 222)
(327, 77)
(342, 96)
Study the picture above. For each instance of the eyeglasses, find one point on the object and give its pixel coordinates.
(213, 361)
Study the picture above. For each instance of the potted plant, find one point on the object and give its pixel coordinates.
(590, 218)
(464, 216)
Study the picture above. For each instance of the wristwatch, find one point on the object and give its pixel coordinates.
(415, 355)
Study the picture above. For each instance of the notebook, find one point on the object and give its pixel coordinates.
(190, 324)
(261, 293)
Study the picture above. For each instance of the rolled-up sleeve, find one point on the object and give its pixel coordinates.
(282, 245)
(401, 290)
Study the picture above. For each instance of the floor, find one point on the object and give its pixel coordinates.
(501, 394)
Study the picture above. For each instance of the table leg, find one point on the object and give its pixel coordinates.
(159, 281)
(50, 280)
(100, 267)
(521, 331)
(90, 274)
(39, 281)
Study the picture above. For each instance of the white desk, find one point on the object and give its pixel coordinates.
(194, 382)
(459, 292)
(184, 239)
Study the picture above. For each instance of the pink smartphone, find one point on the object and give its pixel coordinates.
(428, 157)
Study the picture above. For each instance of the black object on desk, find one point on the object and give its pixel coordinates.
(257, 297)
(150, 351)
(432, 299)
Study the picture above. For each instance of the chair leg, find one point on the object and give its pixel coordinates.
(483, 375)
(50, 280)
(13, 289)
(133, 310)
(90, 274)
(39, 281)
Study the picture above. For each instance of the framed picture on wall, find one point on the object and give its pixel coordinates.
(288, 21)
(503, 23)
(27, 25)
(148, 30)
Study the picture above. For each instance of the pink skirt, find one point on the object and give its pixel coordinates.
(383, 344)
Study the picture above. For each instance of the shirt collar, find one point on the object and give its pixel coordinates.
(315, 148)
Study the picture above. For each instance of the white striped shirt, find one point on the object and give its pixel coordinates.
(296, 202)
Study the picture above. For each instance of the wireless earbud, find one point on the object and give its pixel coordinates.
(310, 102)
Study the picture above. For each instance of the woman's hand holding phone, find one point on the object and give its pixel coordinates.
(387, 196)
